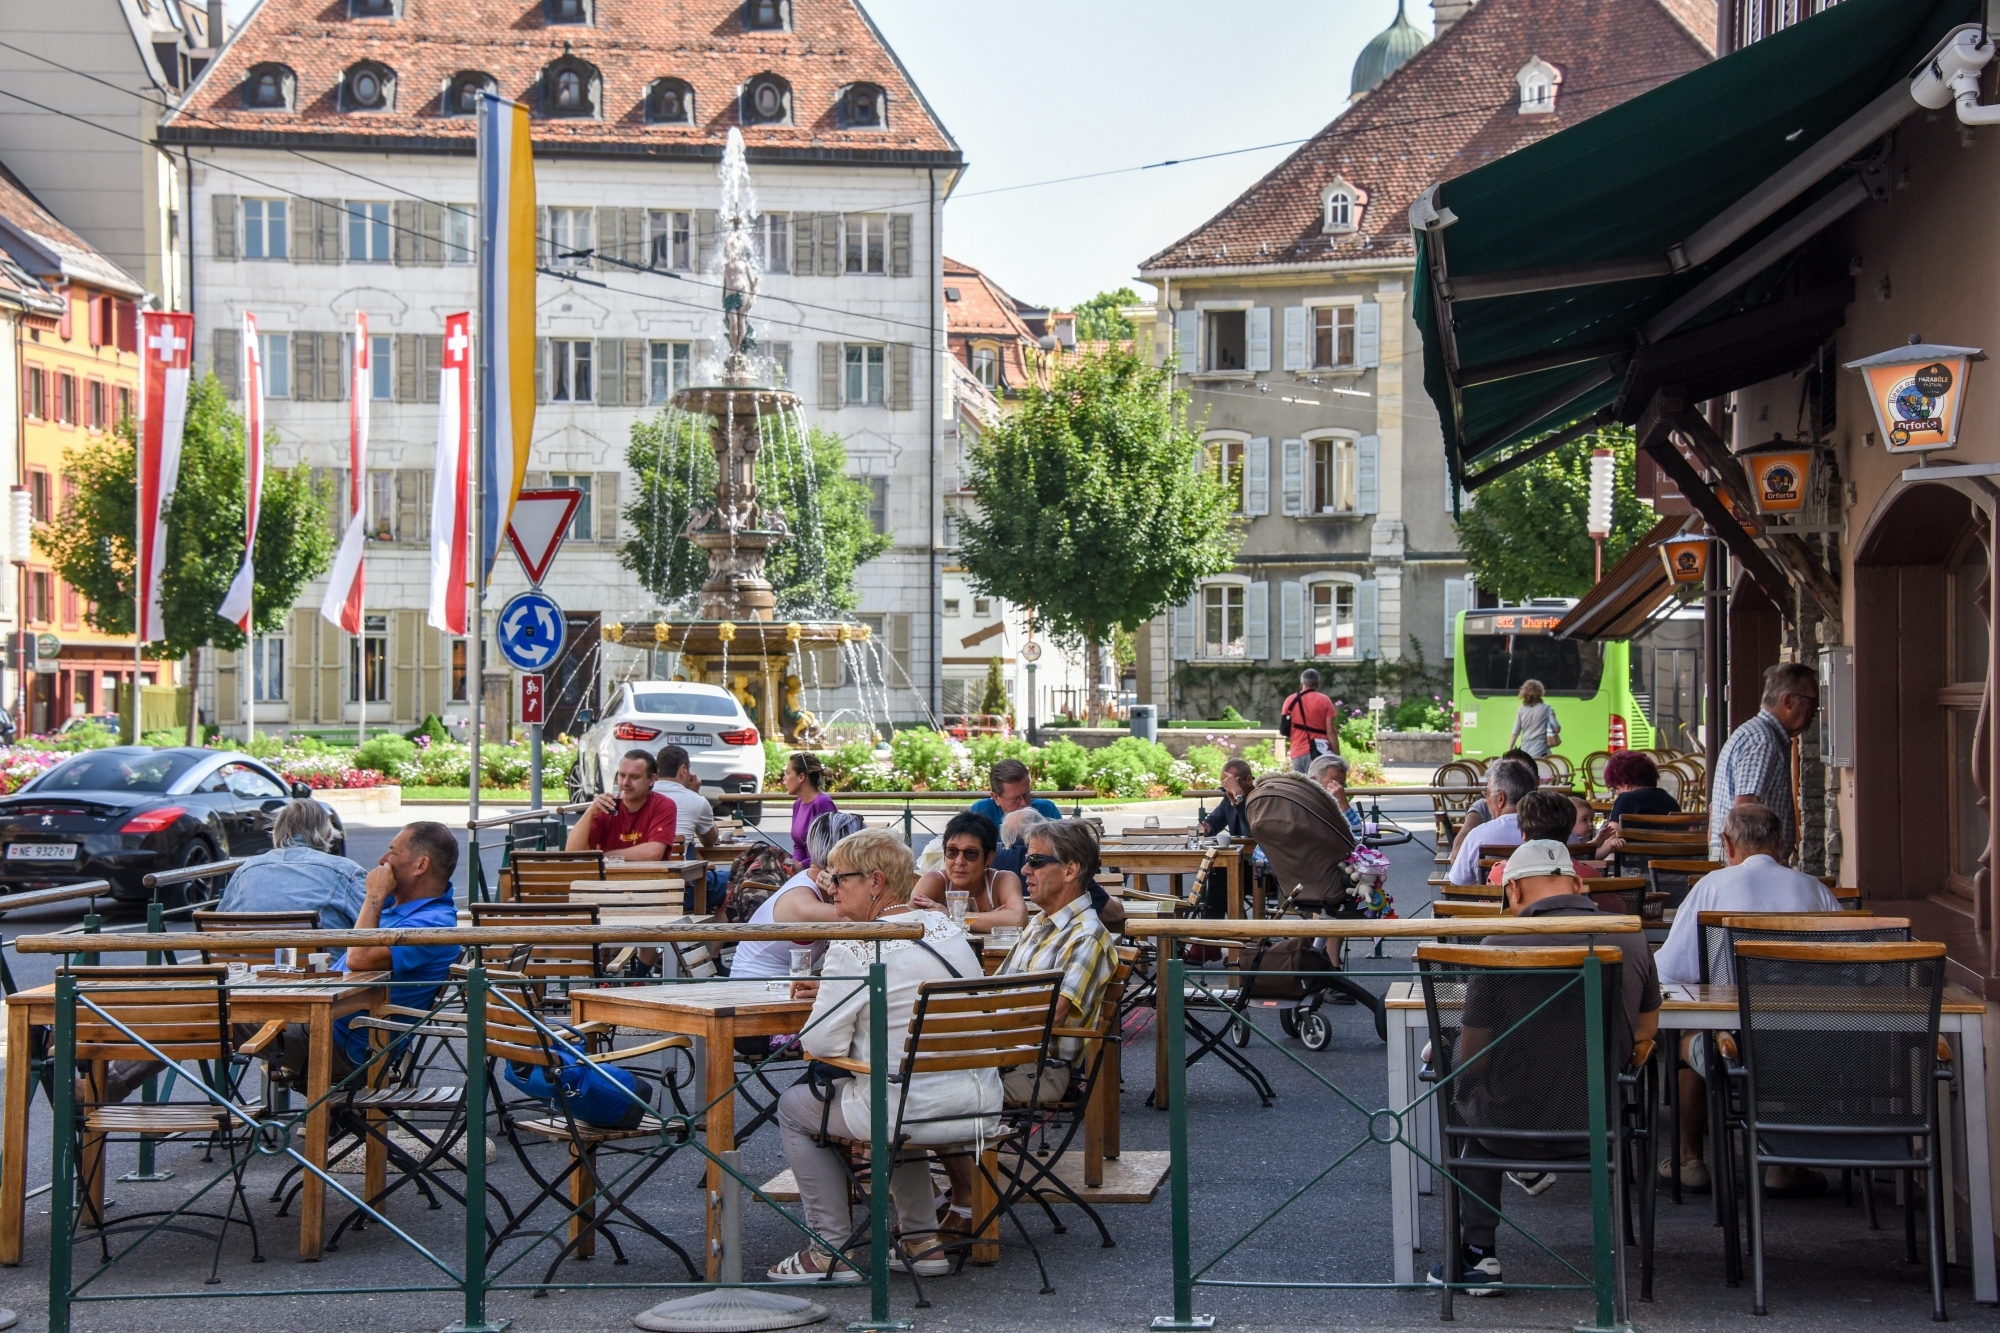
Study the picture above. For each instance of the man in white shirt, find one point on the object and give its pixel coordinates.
(678, 784)
(1753, 838)
(1506, 783)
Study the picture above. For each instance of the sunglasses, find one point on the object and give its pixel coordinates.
(963, 853)
(835, 876)
(1036, 861)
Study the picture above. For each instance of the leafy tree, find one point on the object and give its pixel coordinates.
(993, 702)
(1098, 318)
(803, 476)
(1089, 507)
(92, 544)
(1527, 533)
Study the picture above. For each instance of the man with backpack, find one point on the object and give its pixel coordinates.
(1307, 721)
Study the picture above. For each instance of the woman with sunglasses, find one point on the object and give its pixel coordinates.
(996, 897)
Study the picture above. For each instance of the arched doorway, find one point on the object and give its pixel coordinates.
(1923, 658)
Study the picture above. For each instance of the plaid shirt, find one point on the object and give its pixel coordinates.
(1074, 942)
(1756, 760)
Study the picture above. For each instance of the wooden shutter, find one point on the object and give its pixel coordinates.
(829, 376)
(1456, 598)
(804, 237)
(430, 234)
(1257, 323)
(1184, 618)
(1298, 325)
(1257, 621)
(635, 372)
(228, 699)
(433, 369)
(1368, 334)
(703, 238)
(610, 238)
(330, 366)
(303, 650)
(899, 245)
(608, 362)
(1257, 477)
(544, 239)
(541, 370)
(223, 210)
(899, 377)
(332, 647)
(1291, 621)
(1187, 340)
(403, 244)
(1368, 475)
(326, 215)
(426, 492)
(404, 702)
(898, 625)
(781, 362)
(829, 245)
(430, 667)
(227, 361)
(604, 508)
(1293, 479)
(632, 230)
(409, 359)
(305, 368)
(409, 504)
(1367, 621)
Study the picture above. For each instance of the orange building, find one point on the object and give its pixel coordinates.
(78, 372)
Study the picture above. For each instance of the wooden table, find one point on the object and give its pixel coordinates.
(315, 1004)
(718, 1012)
(1698, 1008)
(1164, 859)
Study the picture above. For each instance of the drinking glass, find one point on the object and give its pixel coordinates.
(239, 974)
(1005, 938)
(288, 958)
(802, 962)
(958, 902)
(1152, 821)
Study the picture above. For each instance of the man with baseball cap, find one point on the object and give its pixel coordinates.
(1541, 880)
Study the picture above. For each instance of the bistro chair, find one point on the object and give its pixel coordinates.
(1675, 877)
(1619, 895)
(216, 951)
(1838, 1061)
(1687, 821)
(550, 966)
(1449, 807)
(1592, 769)
(546, 876)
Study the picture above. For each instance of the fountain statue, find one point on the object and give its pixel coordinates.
(732, 640)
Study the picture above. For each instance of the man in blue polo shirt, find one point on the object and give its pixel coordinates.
(1010, 784)
(410, 888)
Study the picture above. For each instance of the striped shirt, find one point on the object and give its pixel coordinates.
(1756, 760)
(1074, 942)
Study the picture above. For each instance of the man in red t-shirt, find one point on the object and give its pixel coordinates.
(638, 823)
(1311, 715)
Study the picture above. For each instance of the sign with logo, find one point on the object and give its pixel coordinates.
(531, 699)
(1686, 560)
(541, 521)
(1031, 651)
(1778, 480)
(1917, 393)
(47, 649)
(529, 631)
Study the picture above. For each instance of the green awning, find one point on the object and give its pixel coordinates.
(1644, 246)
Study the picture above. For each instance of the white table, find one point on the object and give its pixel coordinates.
(1686, 1009)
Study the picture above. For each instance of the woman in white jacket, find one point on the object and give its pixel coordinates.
(871, 875)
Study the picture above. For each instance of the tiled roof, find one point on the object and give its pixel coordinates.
(830, 45)
(46, 249)
(1448, 109)
(983, 310)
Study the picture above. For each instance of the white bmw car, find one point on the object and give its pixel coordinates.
(722, 743)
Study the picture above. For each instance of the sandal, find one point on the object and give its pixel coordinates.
(929, 1261)
(804, 1266)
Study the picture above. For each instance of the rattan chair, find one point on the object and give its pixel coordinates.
(1592, 769)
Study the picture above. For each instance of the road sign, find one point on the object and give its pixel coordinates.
(47, 649)
(530, 631)
(531, 699)
(541, 521)
(1031, 651)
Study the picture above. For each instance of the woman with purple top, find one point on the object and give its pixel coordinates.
(803, 778)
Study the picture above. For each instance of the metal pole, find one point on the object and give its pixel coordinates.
(475, 1157)
(535, 765)
(62, 1167)
(476, 496)
(878, 1139)
(1601, 1222)
(1031, 704)
(1174, 979)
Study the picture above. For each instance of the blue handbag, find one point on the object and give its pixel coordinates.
(597, 1095)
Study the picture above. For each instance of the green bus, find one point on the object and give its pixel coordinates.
(1588, 683)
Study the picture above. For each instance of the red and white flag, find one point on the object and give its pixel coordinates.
(451, 494)
(167, 345)
(344, 590)
(236, 605)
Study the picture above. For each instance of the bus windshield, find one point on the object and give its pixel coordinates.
(1496, 662)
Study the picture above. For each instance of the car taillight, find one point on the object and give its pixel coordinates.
(747, 736)
(632, 731)
(1457, 739)
(1615, 736)
(152, 821)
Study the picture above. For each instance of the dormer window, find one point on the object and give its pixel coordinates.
(461, 96)
(767, 100)
(571, 87)
(368, 87)
(1538, 81)
(268, 88)
(1341, 204)
(670, 102)
(767, 15)
(569, 11)
(862, 107)
(374, 9)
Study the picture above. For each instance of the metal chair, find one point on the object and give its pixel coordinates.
(1465, 783)
(1675, 877)
(1592, 769)
(1839, 1067)
(554, 967)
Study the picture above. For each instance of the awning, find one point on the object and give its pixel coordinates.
(1559, 287)
(1621, 602)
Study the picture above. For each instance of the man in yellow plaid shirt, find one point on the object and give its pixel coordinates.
(1067, 937)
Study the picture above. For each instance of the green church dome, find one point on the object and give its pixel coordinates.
(1385, 54)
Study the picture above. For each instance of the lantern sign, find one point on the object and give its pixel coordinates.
(1917, 393)
(1686, 560)
(1778, 480)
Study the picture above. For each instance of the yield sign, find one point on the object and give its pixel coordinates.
(540, 522)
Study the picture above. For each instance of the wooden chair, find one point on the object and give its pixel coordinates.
(560, 966)
(1644, 826)
(228, 923)
(1592, 769)
(545, 877)
(1623, 895)
(1675, 877)
(1463, 778)
(1554, 770)
(662, 894)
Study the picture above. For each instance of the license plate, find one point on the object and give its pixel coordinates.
(41, 851)
(695, 738)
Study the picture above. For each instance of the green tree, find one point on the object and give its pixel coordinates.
(1098, 318)
(804, 476)
(92, 544)
(1526, 534)
(1090, 510)
(993, 702)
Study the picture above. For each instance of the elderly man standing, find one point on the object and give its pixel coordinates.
(1010, 784)
(1755, 766)
(1506, 783)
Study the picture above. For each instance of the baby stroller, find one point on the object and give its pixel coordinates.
(1307, 840)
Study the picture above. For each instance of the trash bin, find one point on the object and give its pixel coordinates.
(1146, 721)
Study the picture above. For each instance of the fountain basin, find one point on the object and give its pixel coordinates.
(752, 659)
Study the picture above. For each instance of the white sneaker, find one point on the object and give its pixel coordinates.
(1476, 1267)
(1532, 1183)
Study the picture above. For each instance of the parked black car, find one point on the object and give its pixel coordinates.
(123, 813)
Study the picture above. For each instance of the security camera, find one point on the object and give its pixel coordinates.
(1952, 75)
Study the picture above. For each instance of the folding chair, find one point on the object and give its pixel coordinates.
(555, 968)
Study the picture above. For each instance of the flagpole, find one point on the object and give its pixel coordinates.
(475, 492)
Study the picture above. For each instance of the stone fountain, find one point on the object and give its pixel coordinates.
(733, 640)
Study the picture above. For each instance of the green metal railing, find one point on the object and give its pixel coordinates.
(911, 802)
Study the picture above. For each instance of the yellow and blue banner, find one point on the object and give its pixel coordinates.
(507, 310)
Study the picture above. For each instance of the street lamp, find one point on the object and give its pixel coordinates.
(21, 535)
(1603, 474)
